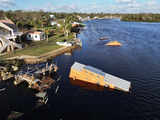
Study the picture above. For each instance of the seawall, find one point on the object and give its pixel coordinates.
(44, 57)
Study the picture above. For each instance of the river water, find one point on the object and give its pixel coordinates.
(137, 61)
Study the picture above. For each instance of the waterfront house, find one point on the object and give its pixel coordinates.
(86, 19)
(54, 23)
(52, 16)
(79, 18)
(75, 24)
(9, 30)
(35, 35)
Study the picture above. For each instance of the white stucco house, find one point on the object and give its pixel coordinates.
(35, 35)
(55, 23)
(52, 16)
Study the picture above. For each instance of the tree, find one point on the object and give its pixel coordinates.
(47, 33)
(68, 24)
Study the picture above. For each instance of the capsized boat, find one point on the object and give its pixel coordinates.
(91, 75)
(114, 43)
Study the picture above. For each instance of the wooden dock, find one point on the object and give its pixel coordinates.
(37, 77)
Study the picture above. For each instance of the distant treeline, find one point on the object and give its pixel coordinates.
(36, 19)
(141, 17)
(62, 15)
(31, 19)
(41, 18)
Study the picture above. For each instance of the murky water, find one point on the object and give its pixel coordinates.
(138, 61)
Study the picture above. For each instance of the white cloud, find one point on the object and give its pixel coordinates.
(124, 1)
(121, 6)
(151, 2)
(7, 3)
(136, 6)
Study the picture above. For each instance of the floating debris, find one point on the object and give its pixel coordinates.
(91, 75)
(103, 38)
(114, 43)
(68, 54)
(43, 97)
(2, 89)
(15, 115)
(4, 74)
(56, 89)
(37, 76)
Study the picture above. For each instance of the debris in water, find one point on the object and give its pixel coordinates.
(103, 38)
(56, 89)
(37, 76)
(91, 75)
(15, 115)
(43, 97)
(114, 43)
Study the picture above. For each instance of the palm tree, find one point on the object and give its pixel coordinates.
(68, 24)
(47, 33)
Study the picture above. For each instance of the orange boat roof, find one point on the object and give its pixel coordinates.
(114, 43)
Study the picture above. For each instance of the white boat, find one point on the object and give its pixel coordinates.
(67, 44)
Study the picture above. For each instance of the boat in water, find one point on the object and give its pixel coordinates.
(66, 44)
(91, 75)
(114, 43)
(103, 38)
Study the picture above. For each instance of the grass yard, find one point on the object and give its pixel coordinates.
(41, 47)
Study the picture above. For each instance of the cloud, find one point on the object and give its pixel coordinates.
(152, 6)
(67, 8)
(7, 3)
(124, 1)
(118, 6)
(136, 6)
(61, 8)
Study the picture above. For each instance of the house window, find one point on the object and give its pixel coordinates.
(36, 36)
(43, 36)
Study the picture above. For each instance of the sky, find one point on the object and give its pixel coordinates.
(85, 6)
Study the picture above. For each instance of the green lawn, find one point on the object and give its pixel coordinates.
(41, 47)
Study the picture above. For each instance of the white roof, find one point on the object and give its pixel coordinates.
(110, 79)
(78, 66)
(117, 82)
